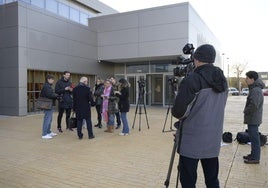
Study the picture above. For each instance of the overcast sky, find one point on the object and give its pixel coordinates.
(240, 25)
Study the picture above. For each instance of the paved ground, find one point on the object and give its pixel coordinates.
(140, 160)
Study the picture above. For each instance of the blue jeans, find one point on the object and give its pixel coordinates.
(47, 122)
(188, 172)
(110, 119)
(125, 122)
(254, 137)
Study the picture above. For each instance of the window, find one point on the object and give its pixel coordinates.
(52, 6)
(63, 10)
(137, 68)
(83, 18)
(26, 1)
(74, 14)
(38, 3)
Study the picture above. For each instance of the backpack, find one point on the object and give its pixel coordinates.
(227, 137)
(242, 137)
(263, 139)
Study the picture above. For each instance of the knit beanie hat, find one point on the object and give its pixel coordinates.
(205, 53)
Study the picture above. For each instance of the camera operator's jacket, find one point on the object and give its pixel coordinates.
(202, 128)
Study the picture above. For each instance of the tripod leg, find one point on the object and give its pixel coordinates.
(166, 119)
(171, 162)
(135, 114)
(139, 118)
(146, 115)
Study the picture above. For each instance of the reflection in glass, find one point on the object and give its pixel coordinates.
(63, 10)
(52, 6)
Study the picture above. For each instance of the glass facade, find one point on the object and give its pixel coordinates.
(35, 82)
(58, 8)
(159, 90)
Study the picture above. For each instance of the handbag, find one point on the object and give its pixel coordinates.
(72, 122)
(44, 103)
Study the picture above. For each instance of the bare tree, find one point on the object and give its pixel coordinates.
(238, 70)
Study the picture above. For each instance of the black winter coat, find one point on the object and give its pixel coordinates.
(123, 103)
(47, 91)
(82, 98)
(97, 93)
(66, 96)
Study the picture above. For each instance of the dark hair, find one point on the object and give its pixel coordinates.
(65, 72)
(49, 76)
(252, 74)
(124, 82)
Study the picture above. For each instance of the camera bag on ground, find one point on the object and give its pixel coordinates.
(227, 137)
(263, 139)
(243, 138)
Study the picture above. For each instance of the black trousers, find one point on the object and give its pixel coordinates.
(89, 127)
(99, 111)
(188, 172)
(68, 114)
(118, 120)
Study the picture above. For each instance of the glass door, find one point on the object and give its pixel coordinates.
(134, 90)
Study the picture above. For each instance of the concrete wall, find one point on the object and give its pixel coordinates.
(32, 38)
(150, 33)
(9, 71)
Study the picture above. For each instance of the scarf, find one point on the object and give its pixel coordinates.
(105, 102)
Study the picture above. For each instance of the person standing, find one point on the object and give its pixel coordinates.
(115, 88)
(253, 115)
(98, 91)
(205, 92)
(123, 104)
(64, 89)
(47, 92)
(109, 106)
(83, 99)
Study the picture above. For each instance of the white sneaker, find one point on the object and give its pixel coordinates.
(123, 134)
(53, 134)
(47, 136)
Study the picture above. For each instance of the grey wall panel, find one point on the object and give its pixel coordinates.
(8, 15)
(9, 57)
(118, 37)
(118, 51)
(114, 22)
(47, 42)
(82, 34)
(146, 33)
(164, 32)
(163, 48)
(164, 15)
(9, 37)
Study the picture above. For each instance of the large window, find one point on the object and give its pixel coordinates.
(52, 6)
(63, 10)
(137, 68)
(74, 14)
(38, 3)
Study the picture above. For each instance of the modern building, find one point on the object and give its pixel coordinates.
(87, 37)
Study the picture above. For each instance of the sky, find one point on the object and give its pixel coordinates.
(240, 26)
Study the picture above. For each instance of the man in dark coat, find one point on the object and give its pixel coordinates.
(83, 99)
(64, 89)
(253, 115)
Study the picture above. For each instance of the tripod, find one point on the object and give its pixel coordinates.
(176, 146)
(173, 88)
(139, 103)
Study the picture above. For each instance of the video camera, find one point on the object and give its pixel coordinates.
(185, 66)
(141, 83)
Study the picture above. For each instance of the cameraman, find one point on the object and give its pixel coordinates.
(206, 90)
